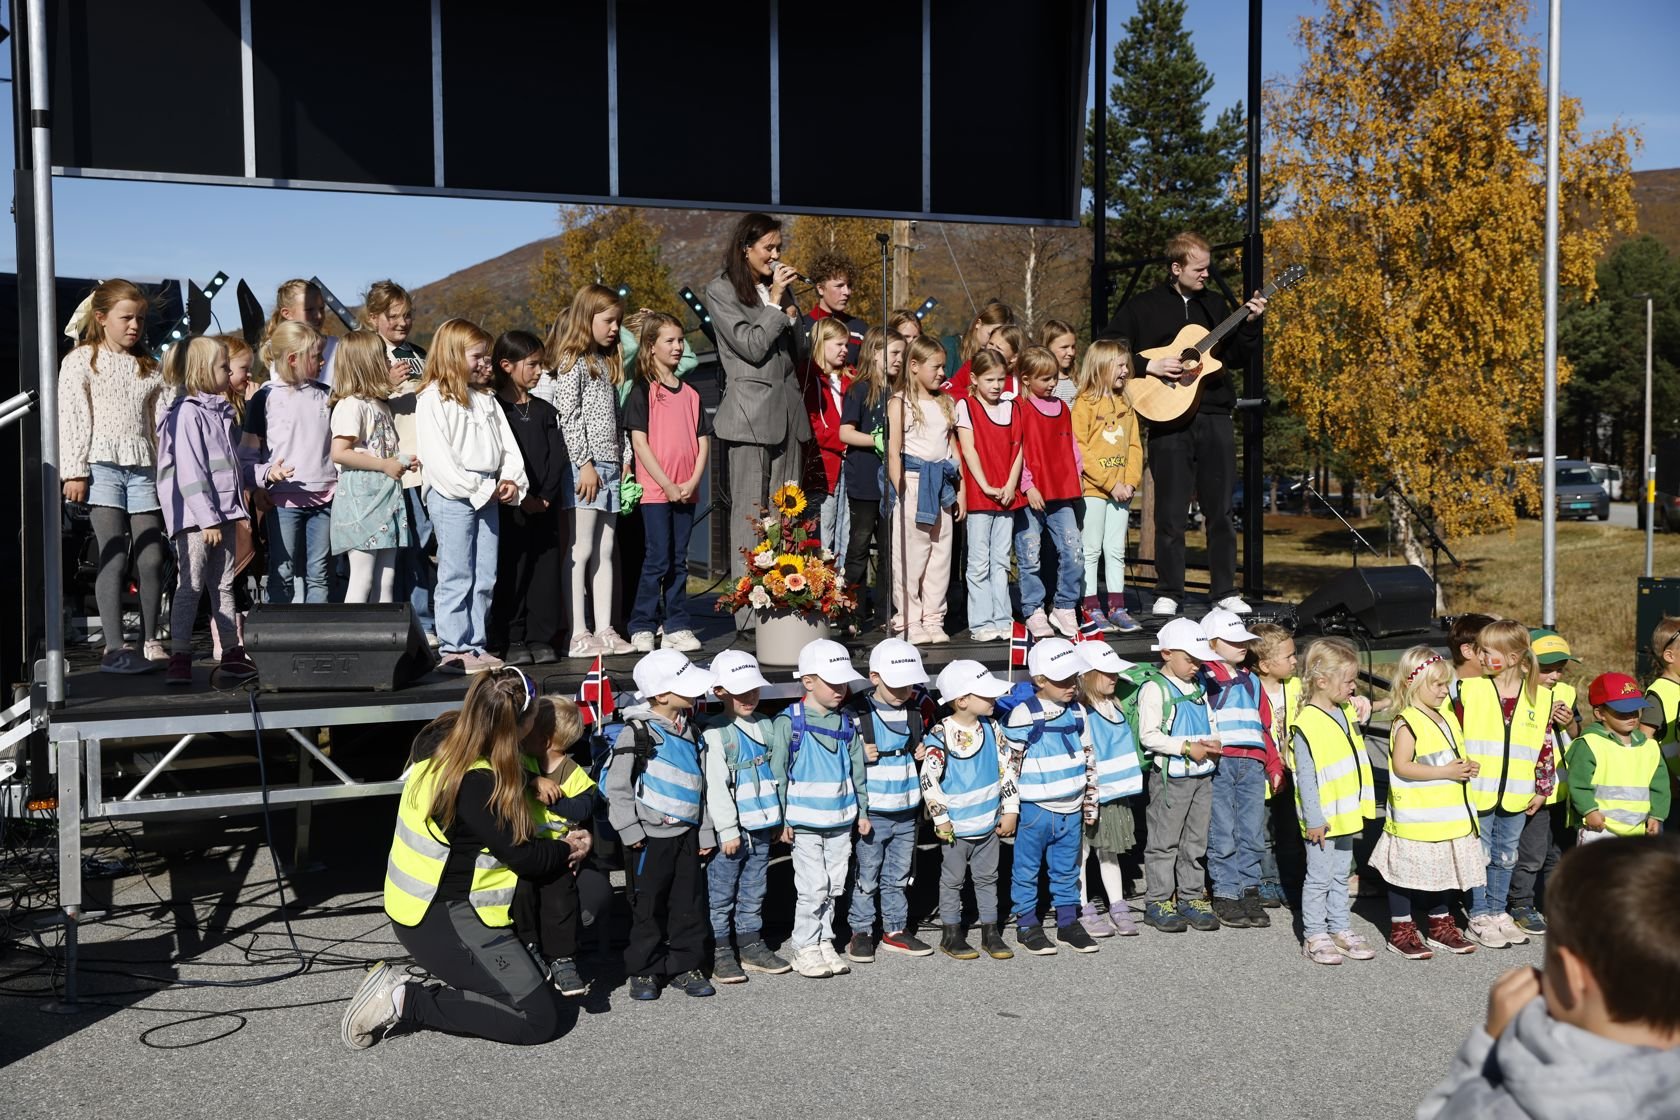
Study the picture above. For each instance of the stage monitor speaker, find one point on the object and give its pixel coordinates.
(1381, 601)
(1657, 597)
(332, 647)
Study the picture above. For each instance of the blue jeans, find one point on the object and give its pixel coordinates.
(834, 519)
(466, 570)
(988, 570)
(292, 531)
(416, 575)
(1064, 532)
(1324, 895)
(1044, 839)
(1237, 826)
(735, 887)
(883, 863)
(668, 527)
(1501, 832)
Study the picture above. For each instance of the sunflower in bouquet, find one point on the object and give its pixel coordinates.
(787, 567)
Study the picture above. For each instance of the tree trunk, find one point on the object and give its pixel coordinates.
(1029, 278)
(1412, 546)
(901, 249)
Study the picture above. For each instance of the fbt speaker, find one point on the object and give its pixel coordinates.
(1382, 601)
(336, 646)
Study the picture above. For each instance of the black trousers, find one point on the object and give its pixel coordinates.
(491, 988)
(1537, 854)
(867, 524)
(669, 922)
(552, 915)
(1197, 459)
(526, 603)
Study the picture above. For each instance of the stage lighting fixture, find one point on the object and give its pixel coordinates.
(927, 305)
(700, 313)
(336, 304)
(184, 325)
(623, 291)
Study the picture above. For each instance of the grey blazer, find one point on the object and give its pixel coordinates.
(757, 347)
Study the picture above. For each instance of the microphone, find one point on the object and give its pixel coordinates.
(796, 273)
(1387, 486)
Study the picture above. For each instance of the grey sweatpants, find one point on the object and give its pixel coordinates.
(977, 857)
(1175, 856)
(755, 471)
(200, 569)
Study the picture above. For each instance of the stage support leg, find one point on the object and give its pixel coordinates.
(69, 755)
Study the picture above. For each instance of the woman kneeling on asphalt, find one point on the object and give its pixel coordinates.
(464, 836)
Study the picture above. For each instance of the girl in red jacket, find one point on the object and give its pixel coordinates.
(827, 377)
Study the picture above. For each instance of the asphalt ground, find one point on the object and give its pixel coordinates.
(1231, 1023)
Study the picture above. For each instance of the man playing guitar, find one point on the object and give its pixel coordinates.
(1195, 454)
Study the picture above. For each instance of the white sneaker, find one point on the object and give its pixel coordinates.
(1039, 626)
(809, 962)
(1509, 930)
(612, 643)
(583, 646)
(984, 634)
(1234, 605)
(683, 641)
(836, 963)
(1164, 607)
(1484, 930)
(643, 641)
(1064, 620)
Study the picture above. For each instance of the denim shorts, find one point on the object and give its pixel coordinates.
(606, 498)
(133, 489)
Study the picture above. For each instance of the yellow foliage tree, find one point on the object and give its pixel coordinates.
(809, 236)
(609, 245)
(1410, 157)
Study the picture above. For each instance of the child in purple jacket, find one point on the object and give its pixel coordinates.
(201, 487)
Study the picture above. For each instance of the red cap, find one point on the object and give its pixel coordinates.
(1616, 691)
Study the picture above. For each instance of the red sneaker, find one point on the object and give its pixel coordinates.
(1403, 938)
(1446, 936)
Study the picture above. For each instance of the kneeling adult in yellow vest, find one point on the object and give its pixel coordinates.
(464, 836)
(1618, 785)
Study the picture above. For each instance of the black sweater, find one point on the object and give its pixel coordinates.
(536, 429)
(1153, 318)
(477, 827)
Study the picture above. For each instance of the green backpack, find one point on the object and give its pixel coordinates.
(1126, 698)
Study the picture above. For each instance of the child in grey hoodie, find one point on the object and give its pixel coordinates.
(1597, 1032)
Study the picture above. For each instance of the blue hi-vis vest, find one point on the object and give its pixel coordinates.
(750, 776)
(1053, 767)
(1236, 712)
(973, 786)
(891, 779)
(670, 783)
(1119, 764)
(819, 775)
(1191, 721)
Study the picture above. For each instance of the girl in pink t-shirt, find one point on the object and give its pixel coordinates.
(670, 435)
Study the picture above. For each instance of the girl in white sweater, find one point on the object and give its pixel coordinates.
(473, 467)
(111, 395)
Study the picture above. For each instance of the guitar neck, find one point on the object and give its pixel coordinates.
(1217, 334)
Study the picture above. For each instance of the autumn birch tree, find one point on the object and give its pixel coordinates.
(1409, 154)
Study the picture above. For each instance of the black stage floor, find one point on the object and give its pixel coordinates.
(92, 695)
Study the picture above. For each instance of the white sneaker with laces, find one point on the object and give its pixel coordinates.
(643, 641)
(683, 641)
(1484, 931)
(809, 962)
(611, 642)
(1509, 929)
(1065, 622)
(1165, 607)
(836, 963)
(1233, 604)
(583, 645)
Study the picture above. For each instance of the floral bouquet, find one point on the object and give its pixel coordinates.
(789, 569)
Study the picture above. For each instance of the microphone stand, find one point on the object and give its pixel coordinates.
(903, 556)
(1436, 544)
(1346, 524)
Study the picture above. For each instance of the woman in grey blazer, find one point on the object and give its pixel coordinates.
(761, 416)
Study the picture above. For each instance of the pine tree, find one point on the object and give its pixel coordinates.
(1168, 170)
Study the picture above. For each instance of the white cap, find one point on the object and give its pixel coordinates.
(1225, 626)
(1184, 634)
(1100, 657)
(968, 678)
(667, 670)
(737, 672)
(898, 662)
(829, 660)
(1055, 659)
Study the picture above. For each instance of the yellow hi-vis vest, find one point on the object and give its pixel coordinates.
(1668, 695)
(572, 780)
(1283, 725)
(1561, 694)
(1440, 809)
(1507, 752)
(419, 851)
(1622, 779)
(1345, 795)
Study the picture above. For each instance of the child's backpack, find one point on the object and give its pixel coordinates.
(1024, 694)
(863, 716)
(608, 848)
(1132, 682)
(1019, 693)
(798, 729)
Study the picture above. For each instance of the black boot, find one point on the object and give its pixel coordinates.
(953, 944)
(993, 943)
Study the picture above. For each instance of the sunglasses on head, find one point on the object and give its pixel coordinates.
(530, 693)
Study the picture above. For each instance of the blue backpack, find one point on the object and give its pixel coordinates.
(1023, 693)
(799, 729)
(608, 847)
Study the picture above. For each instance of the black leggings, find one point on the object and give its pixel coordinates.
(121, 534)
(1404, 902)
(491, 987)
(551, 915)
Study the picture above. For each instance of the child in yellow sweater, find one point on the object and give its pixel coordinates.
(1107, 431)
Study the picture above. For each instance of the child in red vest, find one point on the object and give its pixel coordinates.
(989, 432)
(1051, 484)
(827, 377)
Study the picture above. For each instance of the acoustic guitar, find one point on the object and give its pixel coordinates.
(1161, 400)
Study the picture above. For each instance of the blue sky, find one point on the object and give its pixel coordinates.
(1614, 53)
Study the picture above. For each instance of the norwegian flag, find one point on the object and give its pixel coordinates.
(1090, 631)
(595, 695)
(1020, 641)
